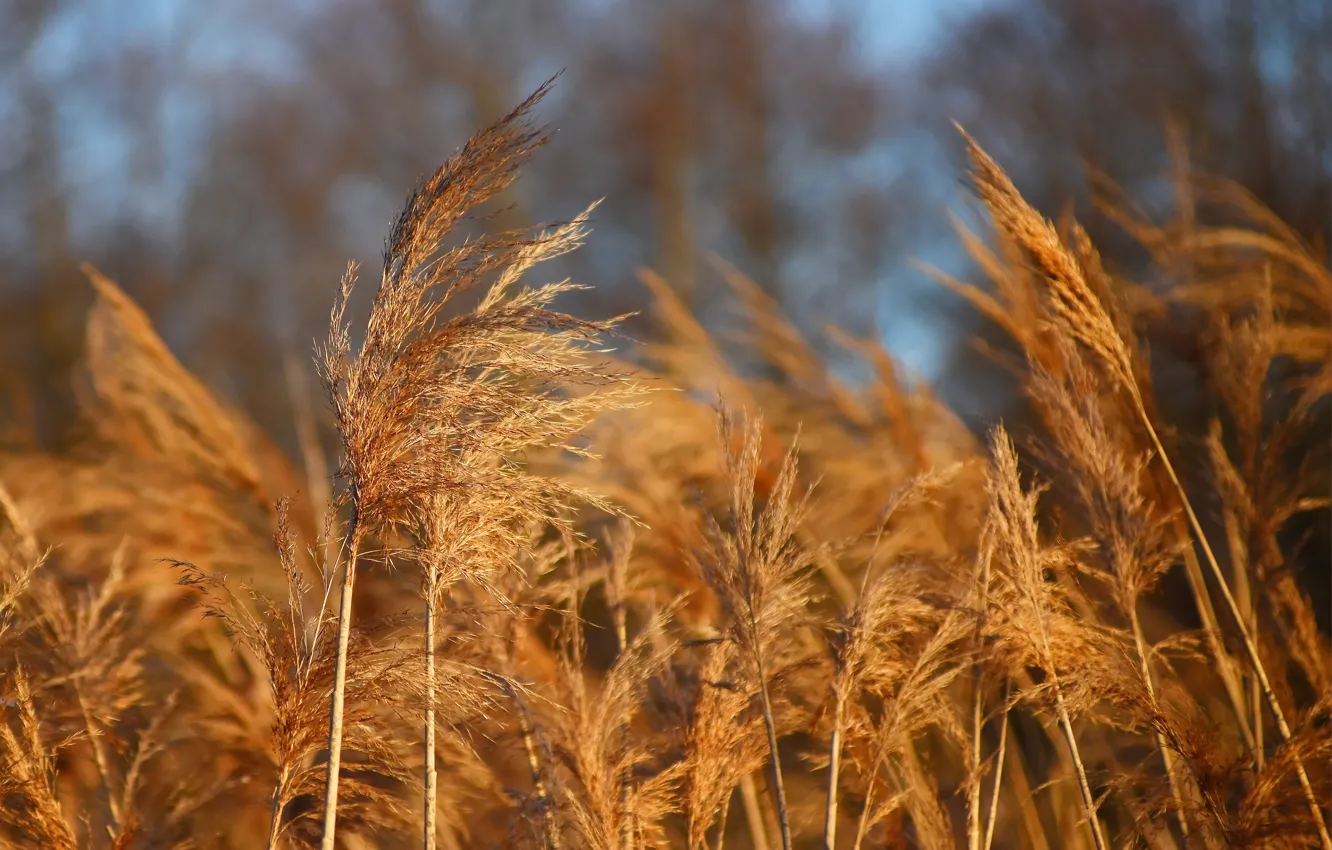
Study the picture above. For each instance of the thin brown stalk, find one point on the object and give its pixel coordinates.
(431, 787)
(974, 788)
(978, 713)
(862, 823)
(544, 800)
(1167, 757)
(1225, 664)
(770, 723)
(1088, 798)
(998, 770)
(834, 770)
(1244, 592)
(340, 687)
(275, 817)
(721, 824)
(99, 754)
(1013, 515)
(758, 830)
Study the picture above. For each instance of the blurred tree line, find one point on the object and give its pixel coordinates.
(224, 161)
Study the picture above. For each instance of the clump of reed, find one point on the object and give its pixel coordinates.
(575, 613)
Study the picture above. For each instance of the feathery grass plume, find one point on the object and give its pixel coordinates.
(433, 405)
(1223, 261)
(1081, 313)
(30, 811)
(1260, 488)
(29, 808)
(506, 400)
(1265, 292)
(1018, 306)
(887, 609)
(482, 539)
(1273, 812)
(1267, 298)
(20, 559)
(161, 466)
(1242, 355)
(87, 647)
(526, 383)
(618, 794)
(875, 668)
(1016, 545)
(724, 742)
(82, 657)
(1076, 305)
(144, 396)
(868, 439)
(1134, 545)
(297, 655)
(756, 568)
(910, 687)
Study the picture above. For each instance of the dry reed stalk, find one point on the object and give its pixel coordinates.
(382, 399)
(721, 825)
(755, 567)
(754, 817)
(998, 770)
(834, 773)
(1014, 534)
(545, 801)
(614, 796)
(885, 607)
(982, 592)
(337, 709)
(299, 660)
(431, 780)
(723, 743)
(1127, 531)
(434, 408)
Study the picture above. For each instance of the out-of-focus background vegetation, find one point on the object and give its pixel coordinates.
(224, 161)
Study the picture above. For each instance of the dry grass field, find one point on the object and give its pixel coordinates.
(570, 590)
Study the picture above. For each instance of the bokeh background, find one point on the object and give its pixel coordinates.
(223, 161)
